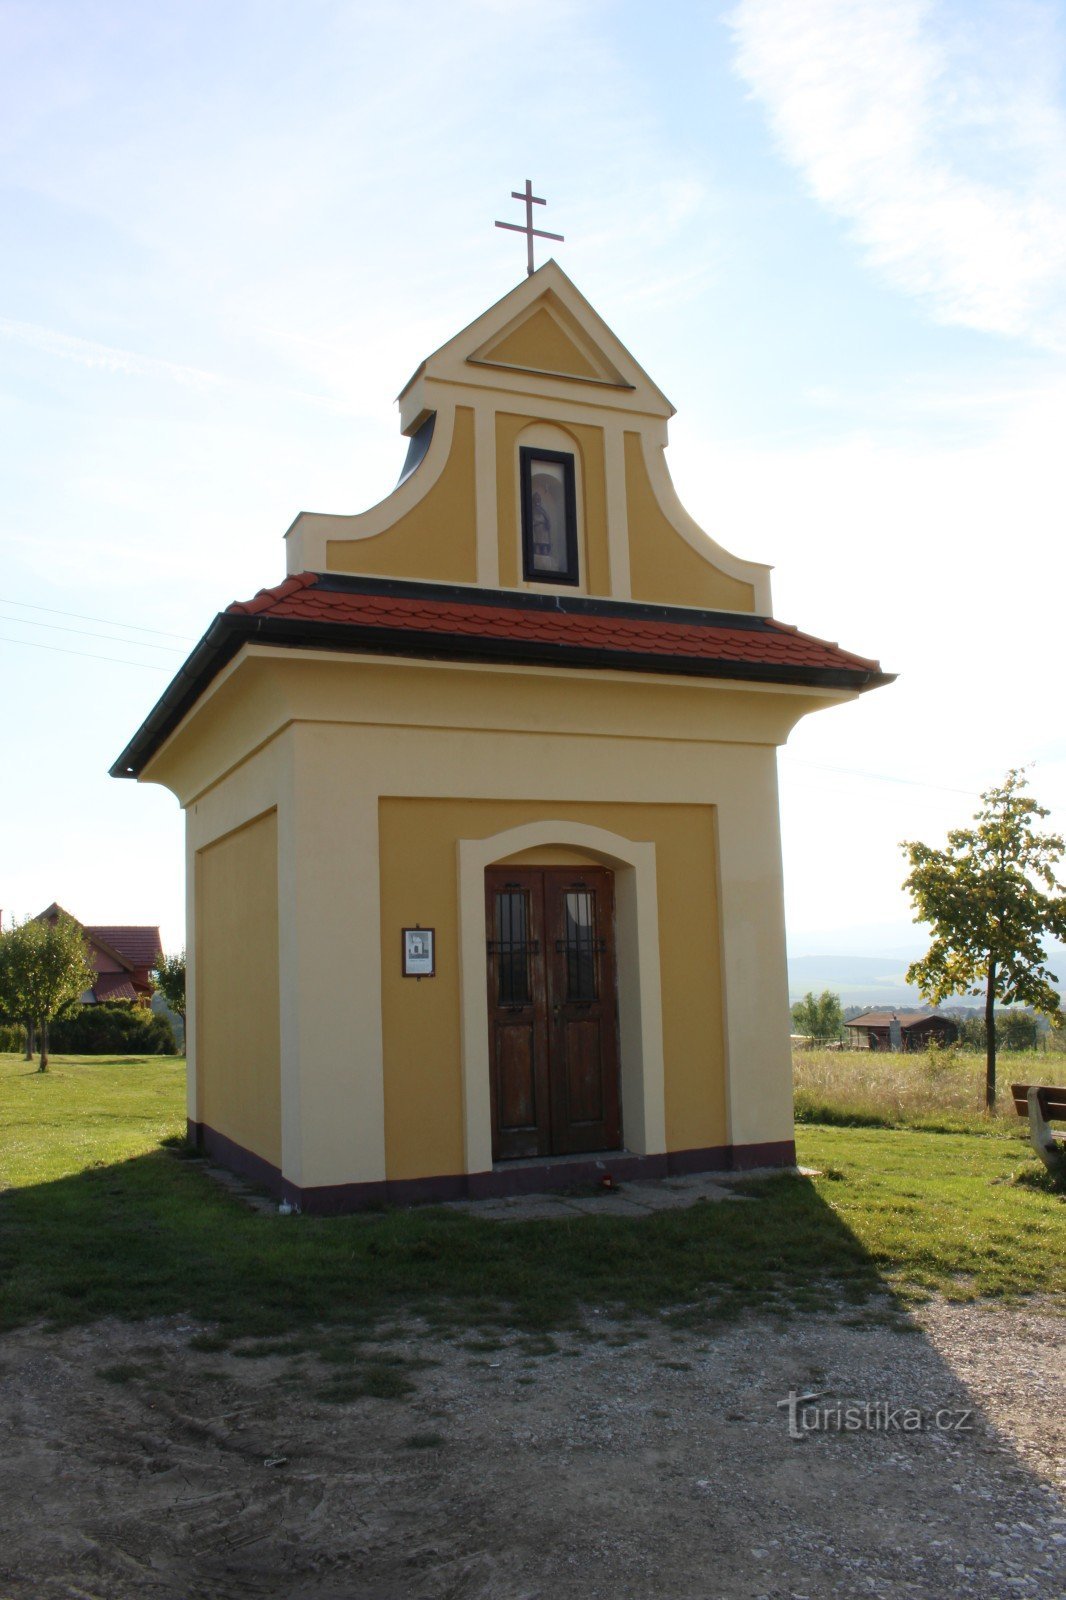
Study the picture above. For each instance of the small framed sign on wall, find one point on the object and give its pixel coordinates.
(419, 953)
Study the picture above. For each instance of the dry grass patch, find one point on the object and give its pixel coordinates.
(940, 1091)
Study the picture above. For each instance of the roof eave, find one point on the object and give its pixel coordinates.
(218, 645)
(230, 631)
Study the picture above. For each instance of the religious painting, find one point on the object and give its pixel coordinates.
(549, 525)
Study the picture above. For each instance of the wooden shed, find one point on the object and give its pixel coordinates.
(889, 1030)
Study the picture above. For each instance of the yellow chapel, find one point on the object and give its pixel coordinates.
(483, 860)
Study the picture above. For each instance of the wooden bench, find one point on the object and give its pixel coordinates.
(1043, 1104)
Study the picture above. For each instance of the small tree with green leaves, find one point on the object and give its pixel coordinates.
(44, 969)
(991, 898)
(1017, 1030)
(10, 998)
(170, 981)
(820, 1019)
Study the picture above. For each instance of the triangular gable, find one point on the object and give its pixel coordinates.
(546, 328)
(53, 912)
(548, 338)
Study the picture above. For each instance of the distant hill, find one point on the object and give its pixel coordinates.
(858, 980)
(878, 980)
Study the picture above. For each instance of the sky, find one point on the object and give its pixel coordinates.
(833, 231)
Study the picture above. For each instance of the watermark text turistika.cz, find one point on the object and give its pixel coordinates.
(812, 1413)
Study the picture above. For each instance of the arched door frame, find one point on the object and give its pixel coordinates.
(640, 1028)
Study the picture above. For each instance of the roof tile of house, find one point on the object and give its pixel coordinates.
(140, 945)
(883, 1019)
(113, 986)
(706, 637)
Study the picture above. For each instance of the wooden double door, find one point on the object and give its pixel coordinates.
(553, 1011)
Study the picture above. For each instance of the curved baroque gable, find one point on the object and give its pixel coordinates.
(539, 415)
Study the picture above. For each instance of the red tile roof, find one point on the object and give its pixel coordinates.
(113, 986)
(727, 638)
(141, 946)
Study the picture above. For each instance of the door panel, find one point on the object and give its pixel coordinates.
(518, 1034)
(583, 1007)
(516, 1078)
(552, 1011)
(583, 1047)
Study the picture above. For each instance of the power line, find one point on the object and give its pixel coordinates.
(880, 777)
(87, 655)
(887, 777)
(132, 627)
(85, 633)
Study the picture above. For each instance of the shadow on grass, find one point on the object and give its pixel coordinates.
(308, 1303)
(154, 1236)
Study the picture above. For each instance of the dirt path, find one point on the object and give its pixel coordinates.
(630, 1466)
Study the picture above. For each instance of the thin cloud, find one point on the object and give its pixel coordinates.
(130, 364)
(105, 357)
(937, 135)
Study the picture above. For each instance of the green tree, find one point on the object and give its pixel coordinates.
(13, 998)
(10, 1000)
(170, 981)
(44, 969)
(991, 898)
(971, 1030)
(1017, 1030)
(821, 1019)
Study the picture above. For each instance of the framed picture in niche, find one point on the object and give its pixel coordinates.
(419, 953)
(549, 516)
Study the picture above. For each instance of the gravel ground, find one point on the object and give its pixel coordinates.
(635, 1464)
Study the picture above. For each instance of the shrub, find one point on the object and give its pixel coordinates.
(1016, 1029)
(116, 1029)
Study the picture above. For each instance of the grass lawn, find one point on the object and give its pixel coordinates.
(98, 1218)
(84, 1112)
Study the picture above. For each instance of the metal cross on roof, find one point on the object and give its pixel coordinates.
(529, 230)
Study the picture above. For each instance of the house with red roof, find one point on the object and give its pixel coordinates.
(123, 956)
(483, 856)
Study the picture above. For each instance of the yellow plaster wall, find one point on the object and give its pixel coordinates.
(347, 731)
(276, 688)
(594, 549)
(594, 478)
(664, 568)
(238, 1049)
(507, 511)
(437, 539)
(556, 855)
(542, 344)
(421, 1020)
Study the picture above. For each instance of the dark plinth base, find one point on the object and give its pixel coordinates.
(507, 1178)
